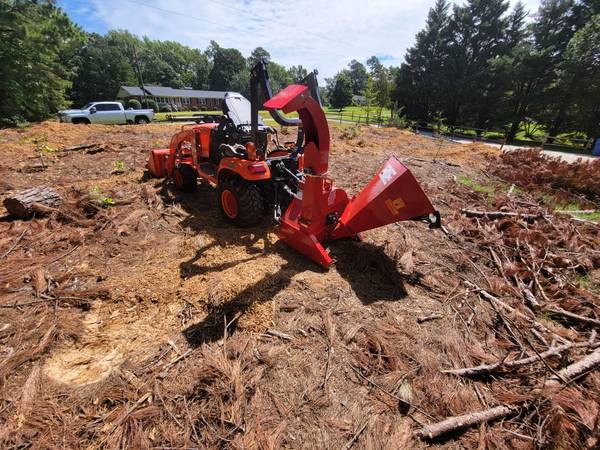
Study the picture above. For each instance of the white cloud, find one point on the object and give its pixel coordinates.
(319, 34)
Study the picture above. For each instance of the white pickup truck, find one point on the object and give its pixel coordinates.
(108, 113)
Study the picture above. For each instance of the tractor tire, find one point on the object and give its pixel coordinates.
(241, 202)
(185, 178)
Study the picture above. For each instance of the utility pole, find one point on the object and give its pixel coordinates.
(139, 74)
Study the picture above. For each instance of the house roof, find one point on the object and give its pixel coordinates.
(164, 91)
(131, 90)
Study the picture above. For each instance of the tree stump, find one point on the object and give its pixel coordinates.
(22, 204)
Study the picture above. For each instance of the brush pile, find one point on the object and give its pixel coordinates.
(536, 171)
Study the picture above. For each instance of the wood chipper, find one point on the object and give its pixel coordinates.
(256, 175)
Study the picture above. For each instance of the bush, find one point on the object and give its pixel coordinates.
(151, 104)
(194, 108)
(134, 104)
(164, 107)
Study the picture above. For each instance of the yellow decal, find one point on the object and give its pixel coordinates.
(395, 205)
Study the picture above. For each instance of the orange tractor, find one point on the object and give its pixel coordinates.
(256, 175)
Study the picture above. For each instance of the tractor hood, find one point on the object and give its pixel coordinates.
(239, 109)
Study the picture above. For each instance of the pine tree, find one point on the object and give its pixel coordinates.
(419, 82)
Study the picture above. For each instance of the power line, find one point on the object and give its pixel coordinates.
(245, 31)
(321, 36)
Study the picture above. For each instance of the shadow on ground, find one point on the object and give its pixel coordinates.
(372, 274)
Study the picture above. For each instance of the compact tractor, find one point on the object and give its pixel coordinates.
(255, 174)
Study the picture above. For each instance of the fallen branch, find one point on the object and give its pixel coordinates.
(575, 370)
(279, 334)
(576, 317)
(466, 420)
(429, 317)
(489, 368)
(16, 242)
(163, 374)
(534, 323)
(356, 435)
(500, 214)
(74, 148)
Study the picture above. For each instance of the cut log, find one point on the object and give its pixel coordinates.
(22, 204)
(458, 422)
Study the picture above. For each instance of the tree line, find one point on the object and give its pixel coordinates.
(478, 64)
(49, 63)
(484, 66)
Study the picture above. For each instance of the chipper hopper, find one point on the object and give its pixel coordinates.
(290, 180)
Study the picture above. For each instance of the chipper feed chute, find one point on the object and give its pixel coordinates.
(320, 212)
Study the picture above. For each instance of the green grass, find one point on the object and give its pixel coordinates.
(160, 116)
(573, 206)
(586, 282)
(469, 182)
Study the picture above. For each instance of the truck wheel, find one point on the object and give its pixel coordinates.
(240, 202)
(185, 178)
(141, 120)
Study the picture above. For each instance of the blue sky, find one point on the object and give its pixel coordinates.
(318, 34)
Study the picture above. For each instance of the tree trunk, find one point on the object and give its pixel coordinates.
(22, 204)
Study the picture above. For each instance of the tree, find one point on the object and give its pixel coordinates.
(358, 76)
(201, 71)
(557, 24)
(582, 60)
(478, 34)
(37, 44)
(419, 84)
(258, 54)
(226, 63)
(101, 68)
(381, 83)
(341, 94)
(297, 73)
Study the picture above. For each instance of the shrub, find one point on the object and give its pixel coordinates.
(134, 104)
(151, 104)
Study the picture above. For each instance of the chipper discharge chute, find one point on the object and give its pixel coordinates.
(255, 174)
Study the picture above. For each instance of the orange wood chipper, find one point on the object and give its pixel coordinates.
(256, 175)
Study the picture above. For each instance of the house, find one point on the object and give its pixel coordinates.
(183, 98)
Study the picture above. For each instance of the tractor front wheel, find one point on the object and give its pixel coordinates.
(185, 178)
(241, 202)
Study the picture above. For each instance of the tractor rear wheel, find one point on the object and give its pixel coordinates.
(241, 202)
(185, 178)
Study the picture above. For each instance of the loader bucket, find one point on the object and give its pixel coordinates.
(392, 195)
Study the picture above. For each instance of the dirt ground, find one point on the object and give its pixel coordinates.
(152, 323)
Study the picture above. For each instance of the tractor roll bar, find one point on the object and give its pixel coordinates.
(259, 80)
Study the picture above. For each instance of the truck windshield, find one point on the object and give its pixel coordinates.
(88, 106)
